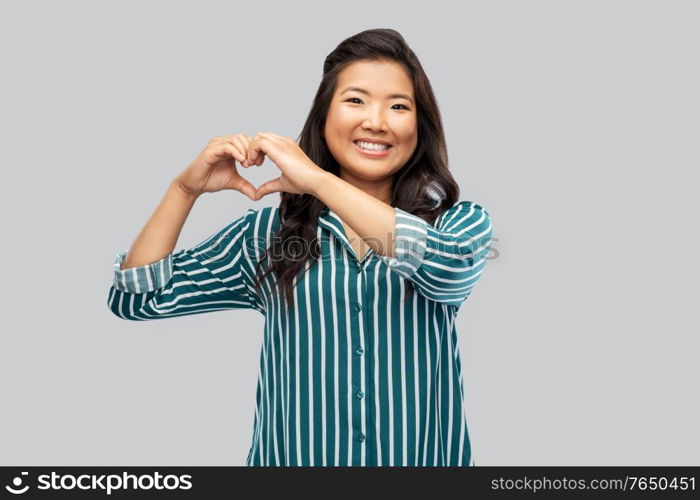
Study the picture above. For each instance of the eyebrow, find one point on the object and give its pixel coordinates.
(392, 96)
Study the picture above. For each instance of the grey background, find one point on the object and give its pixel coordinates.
(574, 123)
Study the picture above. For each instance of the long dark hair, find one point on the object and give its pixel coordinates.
(424, 178)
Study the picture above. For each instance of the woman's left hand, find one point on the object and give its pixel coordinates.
(299, 175)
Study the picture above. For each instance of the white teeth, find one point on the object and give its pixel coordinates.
(372, 145)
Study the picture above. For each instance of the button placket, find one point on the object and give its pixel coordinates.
(365, 398)
(359, 393)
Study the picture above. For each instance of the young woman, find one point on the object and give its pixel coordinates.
(359, 272)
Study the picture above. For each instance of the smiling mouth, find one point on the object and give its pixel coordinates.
(373, 152)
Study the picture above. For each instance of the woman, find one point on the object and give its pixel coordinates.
(359, 363)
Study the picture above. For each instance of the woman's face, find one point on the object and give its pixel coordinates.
(372, 109)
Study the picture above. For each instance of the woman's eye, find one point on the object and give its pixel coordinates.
(358, 99)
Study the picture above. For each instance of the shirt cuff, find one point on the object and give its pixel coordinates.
(411, 239)
(142, 279)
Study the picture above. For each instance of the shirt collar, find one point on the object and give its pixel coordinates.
(331, 222)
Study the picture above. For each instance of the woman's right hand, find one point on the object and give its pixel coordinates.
(214, 168)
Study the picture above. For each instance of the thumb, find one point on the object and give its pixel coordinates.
(273, 186)
(243, 186)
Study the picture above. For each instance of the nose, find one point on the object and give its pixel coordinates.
(374, 119)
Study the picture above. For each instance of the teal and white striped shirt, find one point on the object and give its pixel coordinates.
(352, 375)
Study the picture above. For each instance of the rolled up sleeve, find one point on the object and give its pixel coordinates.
(216, 274)
(142, 279)
(443, 261)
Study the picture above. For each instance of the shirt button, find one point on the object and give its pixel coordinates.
(360, 394)
(360, 350)
(362, 437)
(358, 307)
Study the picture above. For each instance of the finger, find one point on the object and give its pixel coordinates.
(225, 138)
(253, 149)
(266, 136)
(255, 158)
(272, 134)
(223, 150)
(231, 139)
(228, 149)
(242, 148)
(246, 139)
(273, 186)
(275, 137)
(220, 140)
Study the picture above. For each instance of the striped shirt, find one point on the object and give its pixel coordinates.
(351, 374)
